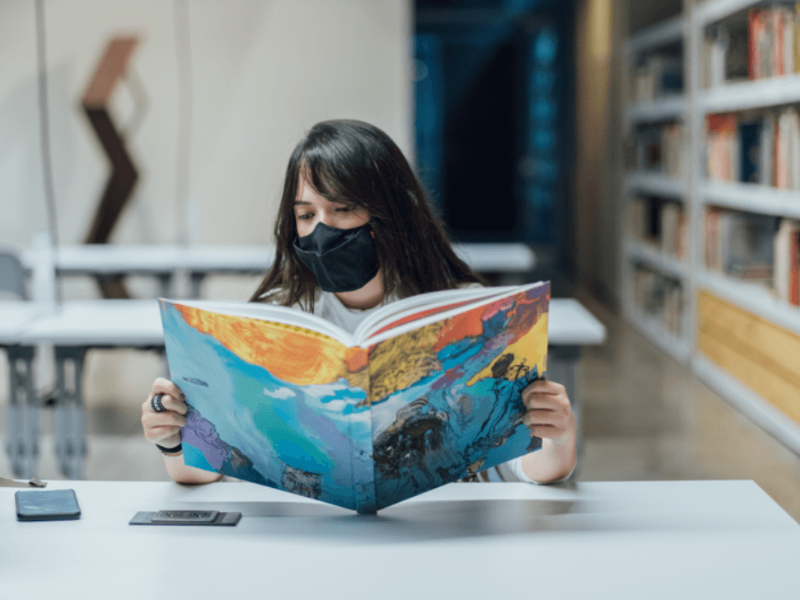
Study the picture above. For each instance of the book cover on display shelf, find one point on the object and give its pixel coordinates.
(425, 392)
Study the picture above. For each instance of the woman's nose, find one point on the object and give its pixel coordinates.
(327, 218)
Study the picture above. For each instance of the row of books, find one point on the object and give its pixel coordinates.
(656, 77)
(787, 261)
(659, 223)
(658, 296)
(740, 244)
(759, 147)
(764, 44)
(658, 149)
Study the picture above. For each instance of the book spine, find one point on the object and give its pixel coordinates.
(777, 43)
(796, 26)
(752, 19)
(794, 276)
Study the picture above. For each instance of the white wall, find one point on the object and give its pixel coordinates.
(264, 72)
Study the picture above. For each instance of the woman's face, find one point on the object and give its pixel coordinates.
(310, 208)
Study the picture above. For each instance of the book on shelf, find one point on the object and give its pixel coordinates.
(725, 55)
(760, 147)
(673, 229)
(659, 297)
(722, 147)
(425, 392)
(740, 245)
(763, 43)
(658, 223)
(659, 149)
(773, 39)
(787, 261)
(658, 76)
(638, 209)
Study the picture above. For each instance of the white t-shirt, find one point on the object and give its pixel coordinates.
(330, 308)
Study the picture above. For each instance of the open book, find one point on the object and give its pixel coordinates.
(425, 392)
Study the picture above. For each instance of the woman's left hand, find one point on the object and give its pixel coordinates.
(549, 413)
(549, 416)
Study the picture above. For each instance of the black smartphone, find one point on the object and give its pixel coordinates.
(47, 505)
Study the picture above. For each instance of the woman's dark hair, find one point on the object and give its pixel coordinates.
(356, 163)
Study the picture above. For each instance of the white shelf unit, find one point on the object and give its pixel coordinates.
(635, 252)
(651, 328)
(748, 197)
(746, 95)
(662, 109)
(639, 251)
(697, 193)
(655, 184)
(660, 34)
(749, 403)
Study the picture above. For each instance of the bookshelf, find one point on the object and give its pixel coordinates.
(734, 330)
(643, 261)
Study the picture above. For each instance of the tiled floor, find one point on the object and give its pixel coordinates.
(644, 418)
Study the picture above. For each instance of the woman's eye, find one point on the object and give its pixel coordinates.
(305, 216)
(345, 209)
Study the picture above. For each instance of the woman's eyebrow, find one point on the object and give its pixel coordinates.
(298, 201)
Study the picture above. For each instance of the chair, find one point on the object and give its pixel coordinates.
(12, 274)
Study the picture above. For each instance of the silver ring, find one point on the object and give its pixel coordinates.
(155, 403)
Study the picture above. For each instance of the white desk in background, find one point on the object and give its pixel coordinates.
(612, 540)
(73, 328)
(22, 414)
(163, 260)
(83, 325)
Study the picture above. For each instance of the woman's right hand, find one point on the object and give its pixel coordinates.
(164, 428)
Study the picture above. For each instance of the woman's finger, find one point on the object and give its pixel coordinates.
(165, 386)
(546, 431)
(169, 418)
(545, 402)
(543, 386)
(174, 404)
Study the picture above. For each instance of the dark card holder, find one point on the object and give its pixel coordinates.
(186, 517)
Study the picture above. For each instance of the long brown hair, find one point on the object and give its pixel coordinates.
(356, 163)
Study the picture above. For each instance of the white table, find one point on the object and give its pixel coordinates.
(82, 325)
(612, 540)
(163, 260)
(73, 328)
(22, 412)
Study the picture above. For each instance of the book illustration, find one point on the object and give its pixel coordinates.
(359, 427)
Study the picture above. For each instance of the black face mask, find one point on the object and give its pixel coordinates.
(342, 260)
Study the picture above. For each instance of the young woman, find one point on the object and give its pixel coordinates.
(354, 231)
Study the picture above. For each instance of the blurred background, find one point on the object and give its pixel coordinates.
(605, 135)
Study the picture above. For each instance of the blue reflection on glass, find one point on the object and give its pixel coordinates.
(543, 80)
(546, 46)
(543, 110)
(544, 140)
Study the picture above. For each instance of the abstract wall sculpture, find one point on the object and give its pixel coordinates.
(112, 68)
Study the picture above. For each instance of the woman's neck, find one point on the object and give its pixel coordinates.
(366, 297)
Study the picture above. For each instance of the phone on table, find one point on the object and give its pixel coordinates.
(47, 505)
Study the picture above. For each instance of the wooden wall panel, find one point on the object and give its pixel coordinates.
(763, 356)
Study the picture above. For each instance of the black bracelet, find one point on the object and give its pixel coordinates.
(174, 450)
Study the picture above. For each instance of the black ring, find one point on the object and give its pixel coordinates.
(174, 450)
(155, 403)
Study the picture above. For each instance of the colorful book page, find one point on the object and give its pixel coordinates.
(273, 404)
(446, 398)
